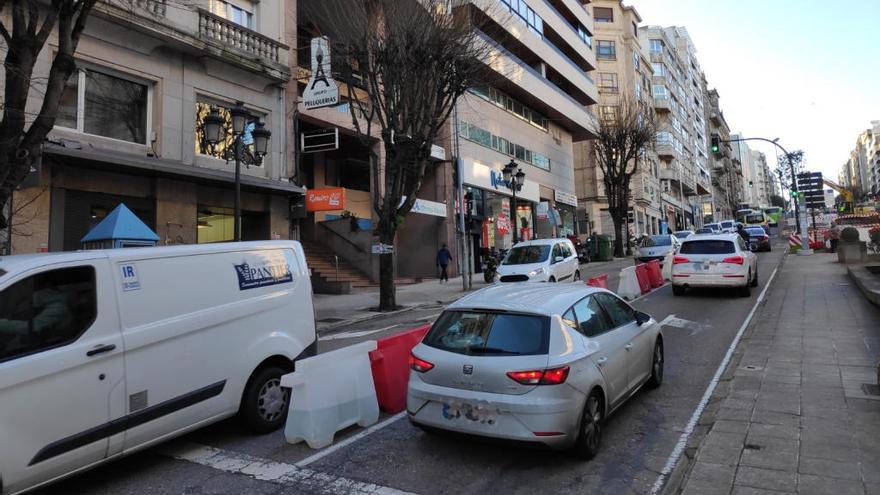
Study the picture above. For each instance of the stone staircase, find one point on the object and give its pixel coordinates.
(322, 262)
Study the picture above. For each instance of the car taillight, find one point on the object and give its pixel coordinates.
(419, 365)
(552, 376)
(735, 260)
(677, 260)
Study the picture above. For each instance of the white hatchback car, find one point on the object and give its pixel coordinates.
(656, 247)
(541, 260)
(721, 260)
(535, 364)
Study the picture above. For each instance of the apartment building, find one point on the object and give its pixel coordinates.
(725, 167)
(533, 114)
(760, 183)
(862, 170)
(623, 75)
(129, 128)
(681, 137)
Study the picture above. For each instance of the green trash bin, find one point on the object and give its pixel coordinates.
(605, 251)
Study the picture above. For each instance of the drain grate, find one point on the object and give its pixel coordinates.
(871, 389)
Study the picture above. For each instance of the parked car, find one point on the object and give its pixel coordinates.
(546, 365)
(716, 227)
(106, 352)
(683, 234)
(706, 230)
(721, 260)
(540, 260)
(759, 238)
(728, 227)
(656, 247)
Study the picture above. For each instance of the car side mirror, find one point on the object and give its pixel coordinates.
(558, 259)
(642, 318)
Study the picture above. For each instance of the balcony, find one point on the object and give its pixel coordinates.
(665, 149)
(238, 38)
(662, 105)
(704, 185)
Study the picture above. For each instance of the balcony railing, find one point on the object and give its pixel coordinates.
(155, 8)
(237, 37)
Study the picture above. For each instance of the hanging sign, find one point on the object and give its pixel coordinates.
(327, 199)
(321, 90)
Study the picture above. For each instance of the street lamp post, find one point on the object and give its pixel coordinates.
(514, 178)
(214, 124)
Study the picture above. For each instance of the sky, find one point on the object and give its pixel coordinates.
(805, 71)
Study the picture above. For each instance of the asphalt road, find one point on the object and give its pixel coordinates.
(638, 439)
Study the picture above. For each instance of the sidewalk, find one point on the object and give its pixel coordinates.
(336, 310)
(791, 414)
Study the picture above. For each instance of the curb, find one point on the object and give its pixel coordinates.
(371, 316)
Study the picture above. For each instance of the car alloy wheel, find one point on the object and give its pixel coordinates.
(656, 378)
(590, 434)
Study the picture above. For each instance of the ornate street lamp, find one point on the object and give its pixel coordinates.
(514, 178)
(214, 123)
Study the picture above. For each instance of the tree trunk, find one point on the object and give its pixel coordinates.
(387, 289)
(618, 236)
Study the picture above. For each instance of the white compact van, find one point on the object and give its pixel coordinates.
(106, 352)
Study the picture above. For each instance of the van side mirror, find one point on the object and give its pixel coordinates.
(558, 259)
(642, 318)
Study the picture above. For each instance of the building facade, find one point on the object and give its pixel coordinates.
(861, 173)
(724, 165)
(623, 77)
(129, 127)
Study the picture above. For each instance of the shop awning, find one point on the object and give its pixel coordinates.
(146, 165)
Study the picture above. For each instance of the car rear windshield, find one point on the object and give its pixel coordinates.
(708, 246)
(488, 333)
(755, 218)
(756, 231)
(525, 255)
(682, 235)
(656, 240)
(712, 226)
(704, 231)
(727, 225)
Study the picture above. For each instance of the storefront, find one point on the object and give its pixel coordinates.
(566, 206)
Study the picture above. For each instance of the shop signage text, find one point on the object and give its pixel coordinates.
(426, 207)
(478, 175)
(321, 90)
(328, 199)
(566, 198)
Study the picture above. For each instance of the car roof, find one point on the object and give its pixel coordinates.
(714, 237)
(683, 231)
(549, 299)
(541, 242)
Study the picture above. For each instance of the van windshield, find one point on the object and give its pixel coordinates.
(526, 255)
(480, 333)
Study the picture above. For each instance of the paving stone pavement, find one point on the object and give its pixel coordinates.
(791, 415)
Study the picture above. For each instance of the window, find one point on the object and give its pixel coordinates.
(584, 35)
(479, 333)
(608, 81)
(656, 46)
(46, 310)
(224, 149)
(485, 138)
(589, 317)
(608, 113)
(234, 13)
(636, 60)
(638, 92)
(661, 92)
(606, 49)
(618, 311)
(659, 69)
(664, 137)
(105, 105)
(534, 22)
(603, 14)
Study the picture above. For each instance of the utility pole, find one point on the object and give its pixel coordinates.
(464, 257)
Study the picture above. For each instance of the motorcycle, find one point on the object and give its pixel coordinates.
(490, 268)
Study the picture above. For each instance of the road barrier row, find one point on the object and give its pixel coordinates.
(601, 281)
(641, 279)
(390, 366)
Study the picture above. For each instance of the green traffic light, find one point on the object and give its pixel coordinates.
(714, 148)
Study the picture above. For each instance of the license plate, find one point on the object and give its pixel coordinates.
(480, 413)
(700, 266)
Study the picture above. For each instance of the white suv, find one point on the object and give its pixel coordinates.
(721, 260)
(540, 260)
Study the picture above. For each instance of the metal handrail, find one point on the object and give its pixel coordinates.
(337, 234)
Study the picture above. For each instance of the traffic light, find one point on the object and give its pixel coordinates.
(716, 145)
(793, 194)
(751, 184)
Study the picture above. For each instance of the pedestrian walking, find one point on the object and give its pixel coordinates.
(443, 258)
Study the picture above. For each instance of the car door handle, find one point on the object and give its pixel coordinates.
(628, 346)
(601, 361)
(100, 349)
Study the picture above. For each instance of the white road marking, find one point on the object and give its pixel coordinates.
(692, 423)
(352, 335)
(308, 480)
(350, 440)
(675, 322)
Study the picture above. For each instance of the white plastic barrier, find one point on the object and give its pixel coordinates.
(666, 270)
(329, 392)
(628, 287)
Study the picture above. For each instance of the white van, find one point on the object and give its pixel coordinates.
(106, 352)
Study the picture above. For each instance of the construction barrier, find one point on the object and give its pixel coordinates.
(390, 366)
(329, 392)
(666, 269)
(643, 278)
(794, 240)
(601, 281)
(655, 274)
(628, 287)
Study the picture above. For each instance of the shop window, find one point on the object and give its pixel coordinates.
(46, 310)
(217, 224)
(224, 149)
(105, 105)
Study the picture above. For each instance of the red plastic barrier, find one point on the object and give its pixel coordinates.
(390, 366)
(655, 274)
(644, 279)
(601, 281)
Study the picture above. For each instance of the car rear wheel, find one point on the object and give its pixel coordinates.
(264, 403)
(746, 290)
(678, 290)
(656, 366)
(755, 280)
(590, 434)
(552, 280)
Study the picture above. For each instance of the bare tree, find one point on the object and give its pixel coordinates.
(25, 26)
(406, 63)
(622, 140)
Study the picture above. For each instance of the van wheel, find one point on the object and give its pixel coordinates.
(265, 402)
(590, 433)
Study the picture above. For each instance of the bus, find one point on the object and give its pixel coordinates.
(751, 217)
(774, 213)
